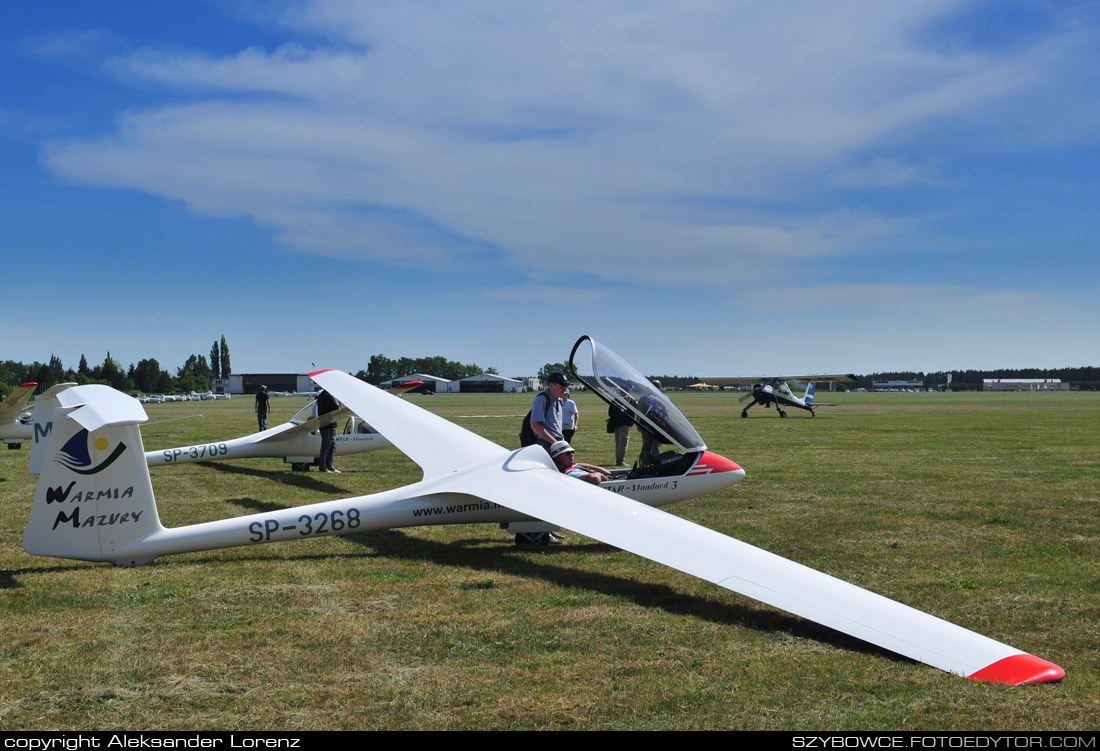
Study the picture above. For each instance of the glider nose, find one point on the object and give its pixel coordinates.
(711, 463)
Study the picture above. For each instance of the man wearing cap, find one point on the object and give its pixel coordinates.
(546, 410)
(563, 455)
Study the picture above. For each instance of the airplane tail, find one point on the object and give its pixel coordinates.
(94, 497)
(809, 398)
(44, 406)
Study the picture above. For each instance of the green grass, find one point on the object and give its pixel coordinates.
(979, 508)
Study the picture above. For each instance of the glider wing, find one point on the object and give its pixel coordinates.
(16, 401)
(527, 481)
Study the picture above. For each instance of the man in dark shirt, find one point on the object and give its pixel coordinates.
(263, 403)
(326, 403)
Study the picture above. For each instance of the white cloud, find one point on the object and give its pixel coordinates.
(689, 139)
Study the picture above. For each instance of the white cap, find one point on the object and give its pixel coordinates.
(559, 447)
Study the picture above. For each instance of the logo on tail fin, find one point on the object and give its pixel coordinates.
(76, 456)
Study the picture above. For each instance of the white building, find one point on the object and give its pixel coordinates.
(1024, 384)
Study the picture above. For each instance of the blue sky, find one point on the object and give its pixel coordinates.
(734, 188)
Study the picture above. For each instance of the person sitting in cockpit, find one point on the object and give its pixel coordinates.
(563, 455)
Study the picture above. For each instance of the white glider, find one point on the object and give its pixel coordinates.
(95, 502)
(14, 426)
(296, 442)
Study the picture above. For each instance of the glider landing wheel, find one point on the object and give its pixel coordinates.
(744, 413)
(299, 466)
(537, 539)
(782, 413)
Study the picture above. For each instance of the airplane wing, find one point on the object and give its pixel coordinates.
(439, 446)
(402, 388)
(16, 401)
(838, 378)
(310, 425)
(739, 380)
(526, 480)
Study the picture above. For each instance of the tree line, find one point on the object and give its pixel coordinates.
(147, 377)
(1085, 378)
(382, 368)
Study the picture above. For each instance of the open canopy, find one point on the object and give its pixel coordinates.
(619, 384)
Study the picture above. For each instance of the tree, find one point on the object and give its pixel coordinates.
(111, 373)
(380, 368)
(148, 377)
(215, 361)
(224, 359)
(552, 367)
(194, 375)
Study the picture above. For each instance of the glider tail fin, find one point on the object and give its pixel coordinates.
(44, 407)
(94, 500)
(809, 399)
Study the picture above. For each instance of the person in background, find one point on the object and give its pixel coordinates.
(326, 403)
(570, 417)
(619, 422)
(263, 404)
(546, 410)
(651, 406)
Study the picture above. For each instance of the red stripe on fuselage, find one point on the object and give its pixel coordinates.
(710, 462)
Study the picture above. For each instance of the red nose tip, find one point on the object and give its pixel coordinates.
(718, 463)
(711, 463)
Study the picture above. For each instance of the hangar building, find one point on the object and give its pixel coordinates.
(249, 383)
(486, 383)
(1024, 384)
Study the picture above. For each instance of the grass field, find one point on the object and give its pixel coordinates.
(979, 508)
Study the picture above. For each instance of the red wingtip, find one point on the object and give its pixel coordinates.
(29, 383)
(1020, 670)
(319, 372)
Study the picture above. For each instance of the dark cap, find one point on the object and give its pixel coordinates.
(559, 378)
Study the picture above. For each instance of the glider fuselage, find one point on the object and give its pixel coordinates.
(296, 447)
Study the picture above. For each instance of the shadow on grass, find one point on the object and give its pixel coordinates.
(474, 554)
(303, 480)
(256, 506)
(8, 576)
(535, 564)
